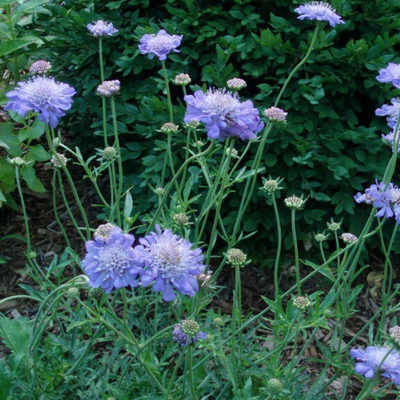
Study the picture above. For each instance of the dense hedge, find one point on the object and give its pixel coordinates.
(331, 147)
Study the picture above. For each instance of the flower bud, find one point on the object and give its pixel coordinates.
(96, 293)
(109, 153)
(103, 231)
(17, 162)
(320, 237)
(275, 114)
(72, 293)
(348, 238)
(109, 88)
(236, 257)
(182, 80)
(334, 226)
(169, 127)
(40, 67)
(59, 161)
(181, 219)
(302, 303)
(274, 386)
(190, 327)
(160, 191)
(294, 203)
(236, 84)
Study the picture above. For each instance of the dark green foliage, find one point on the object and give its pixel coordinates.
(331, 147)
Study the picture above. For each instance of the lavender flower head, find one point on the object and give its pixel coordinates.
(389, 140)
(390, 74)
(386, 200)
(101, 28)
(224, 114)
(320, 11)
(368, 360)
(184, 329)
(159, 45)
(111, 262)
(40, 67)
(170, 263)
(43, 95)
(391, 112)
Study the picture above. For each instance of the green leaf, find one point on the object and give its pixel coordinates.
(325, 271)
(128, 205)
(5, 381)
(39, 153)
(28, 174)
(16, 334)
(10, 46)
(37, 186)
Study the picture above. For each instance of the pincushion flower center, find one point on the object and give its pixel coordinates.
(221, 103)
(159, 44)
(113, 258)
(169, 260)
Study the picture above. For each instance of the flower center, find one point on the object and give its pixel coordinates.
(169, 260)
(159, 44)
(113, 259)
(221, 102)
(43, 92)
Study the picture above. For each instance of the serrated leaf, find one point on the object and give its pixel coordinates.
(5, 381)
(16, 333)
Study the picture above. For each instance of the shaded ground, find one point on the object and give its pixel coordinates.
(47, 241)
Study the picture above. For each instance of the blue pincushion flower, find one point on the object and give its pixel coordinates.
(101, 28)
(390, 74)
(224, 114)
(43, 95)
(389, 140)
(391, 111)
(368, 360)
(159, 45)
(181, 335)
(111, 262)
(320, 11)
(169, 263)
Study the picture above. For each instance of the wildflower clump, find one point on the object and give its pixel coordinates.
(40, 67)
(109, 88)
(236, 257)
(368, 360)
(182, 80)
(159, 45)
(101, 29)
(224, 114)
(42, 95)
(169, 263)
(320, 11)
(187, 332)
(59, 160)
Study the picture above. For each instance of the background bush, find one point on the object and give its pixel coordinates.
(331, 147)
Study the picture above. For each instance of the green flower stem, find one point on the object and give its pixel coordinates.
(296, 252)
(387, 278)
(231, 369)
(337, 248)
(170, 109)
(174, 372)
(171, 161)
(103, 99)
(296, 334)
(89, 174)
(61, 226)
(321, 249)
(69, 178)
(113, 189)
(279, 248)
(189, 369)
(101, 59)
(69, 211)
(172, 182)
(189, 131)
(164, 169)
(20, 296)
(120, 170)
(224, 181)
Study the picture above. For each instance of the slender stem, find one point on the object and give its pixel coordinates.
(26, 221)
(171, 111)
(296, 252)
(279, 248)
(61, 226)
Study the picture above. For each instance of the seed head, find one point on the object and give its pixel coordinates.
(236, 84)
(182, 80)
(109, 153)
(103, 231)
(181, 219)
(274, 386)
(348, 238)
(17, 162)
(275, 114)
(205, 279)
(96, 293)
(59, 161)
(56, 142)
(190, 327)
(109, 88)
(218, 322)
(40, 67)
(302, 303)
(234, 153)
(169, 127)
(294, 202)
(236, 257)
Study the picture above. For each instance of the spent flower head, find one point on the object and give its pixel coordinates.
(232, 152)
(40, 67)
(395, 334)
(320, 11)
(109, 153)
(368, 360)
(190, 327)
(348, 238)
(236, 257)
(101, 28)
(302, 303)
(169, 127)
(218, 322)
(223, 114)
(109, 88)
(276, 114)
(181, 219)
(96, 293)
(103, 231)
(236, 84)
(169, 263)
(72, 293)
(182, 80)
(159, 191)
(59, 160)
(205, 279)
(42, 95)
(294, 202)
(159, 45)
(111, 262)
